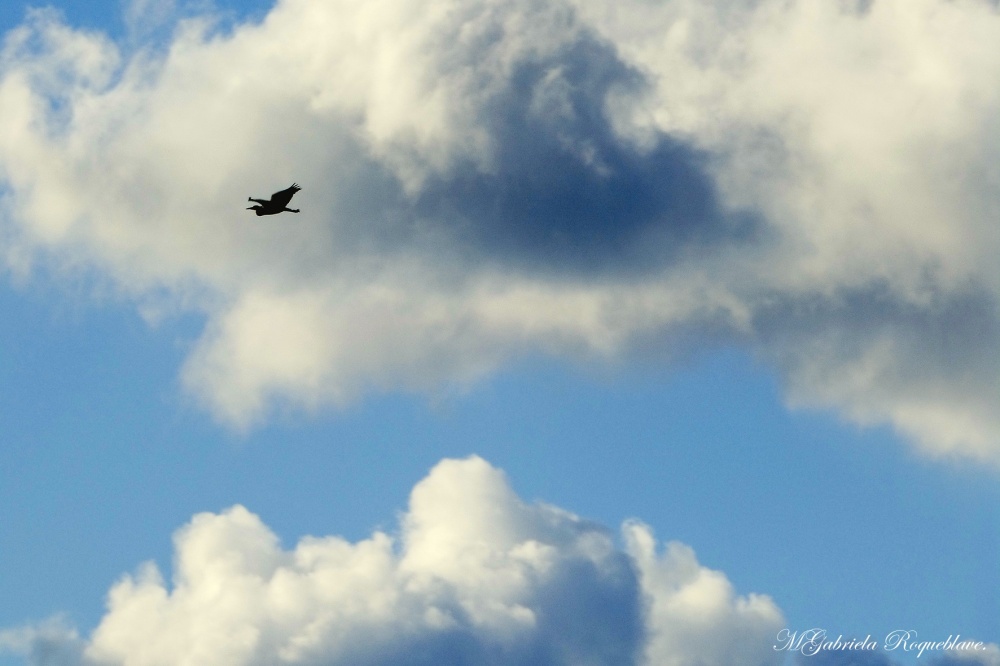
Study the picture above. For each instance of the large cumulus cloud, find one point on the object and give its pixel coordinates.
(475, 576)
(490, 178)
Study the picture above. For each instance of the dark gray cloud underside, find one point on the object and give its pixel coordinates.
(566, 193)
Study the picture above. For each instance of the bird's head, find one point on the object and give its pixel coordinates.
(255, 207)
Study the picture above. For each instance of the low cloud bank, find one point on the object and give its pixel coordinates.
(475, 576)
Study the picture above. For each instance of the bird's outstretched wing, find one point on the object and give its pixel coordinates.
(282, 198)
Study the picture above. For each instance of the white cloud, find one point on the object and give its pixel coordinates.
(688, 605)
(489, 178)
(989, 655)
(475, 576)
(50, 643)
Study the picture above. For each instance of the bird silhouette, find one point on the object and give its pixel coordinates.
(278, 203)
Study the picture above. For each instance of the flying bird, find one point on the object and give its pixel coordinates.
(278, 203)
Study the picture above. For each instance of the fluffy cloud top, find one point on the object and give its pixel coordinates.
(475, 576)
(488, 178)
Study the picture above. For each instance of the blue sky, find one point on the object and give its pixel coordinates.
(699, 345)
